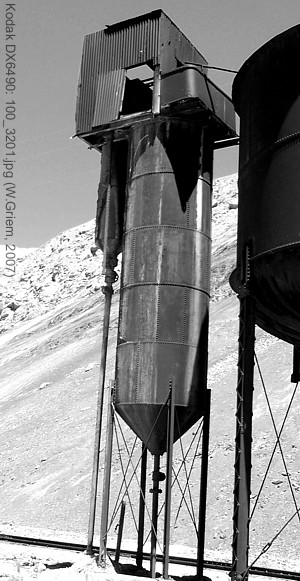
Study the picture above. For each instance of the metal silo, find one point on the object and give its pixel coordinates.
(165, 282)
(156, 132)
(156, 137)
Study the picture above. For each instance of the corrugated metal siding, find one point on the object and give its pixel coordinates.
(152, 37)
(130, 46)
(109, 98)
(88, 81)
(111, 49)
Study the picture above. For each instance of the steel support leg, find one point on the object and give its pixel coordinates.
(242, 484)
(167, 520)
(120, 531)
(205, 182)
(155, 492)
(295, 377)
(203, 487)
(139, 554)
(106, 482)
(98, 429)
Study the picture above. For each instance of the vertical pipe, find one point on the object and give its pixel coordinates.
(106, 481)
(243, 441)
(108, 291)
(120, 531)
(139, 554)
(203, 487)
(170, 442)
(206, 180)
(155, 492)
(98, 430)
(206, 177)
(156, 91)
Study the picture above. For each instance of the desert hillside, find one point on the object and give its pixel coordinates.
(51, 315)
(64, 268)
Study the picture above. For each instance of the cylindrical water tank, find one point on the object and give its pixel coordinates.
(165, 281)
(266, 95)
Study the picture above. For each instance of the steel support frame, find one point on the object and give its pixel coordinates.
(243, 440)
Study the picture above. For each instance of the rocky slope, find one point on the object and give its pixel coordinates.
(50, 341)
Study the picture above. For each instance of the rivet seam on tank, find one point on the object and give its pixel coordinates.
(160, 284)
(184, 315)
(207, 273)
(137, 372)
(114, 390)
(188, 214)
(158, 306)
(133, 257)
(158, 341)
(276, 147)
(165, 226)
(150, 172)
(287, 141)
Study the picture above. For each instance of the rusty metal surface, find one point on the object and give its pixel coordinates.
(152, 38)
(113, 178)
(189, 82)
(266, 94)
(110, 93)
(165, 282)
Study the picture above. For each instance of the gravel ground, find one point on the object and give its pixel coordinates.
(22, 563)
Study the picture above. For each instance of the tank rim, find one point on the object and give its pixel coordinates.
(272, 44)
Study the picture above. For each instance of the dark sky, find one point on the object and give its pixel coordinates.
(57, 177)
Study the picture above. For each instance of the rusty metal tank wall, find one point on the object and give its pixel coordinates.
(266, 95)
(165, 280)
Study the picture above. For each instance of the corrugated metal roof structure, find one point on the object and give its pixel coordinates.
(151, 39)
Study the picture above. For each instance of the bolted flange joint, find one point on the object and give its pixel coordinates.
(110, 276)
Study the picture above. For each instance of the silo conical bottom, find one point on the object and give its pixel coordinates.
(150, 423)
